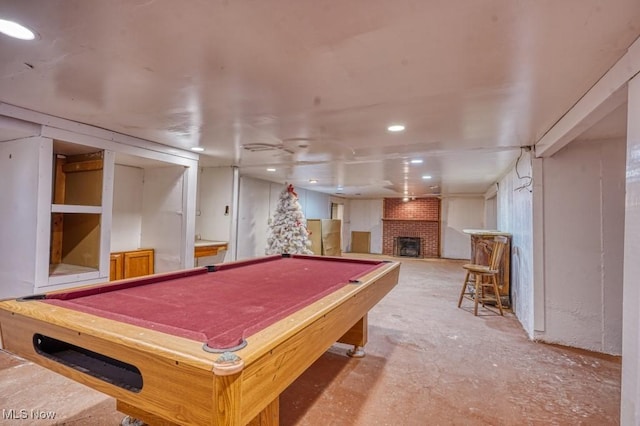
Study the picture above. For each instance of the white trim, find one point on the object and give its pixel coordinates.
(189, 187)
(539, 309)
(69, 208)
(43, 225)
(74, 280)
(605, 96)
(235, 203)
(492, 191)
(157, 152)
(76, 131)
(31, 129)
(108, 170)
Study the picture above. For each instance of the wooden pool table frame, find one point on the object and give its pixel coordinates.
(185, 385)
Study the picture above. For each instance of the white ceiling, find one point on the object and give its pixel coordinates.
(311, 85)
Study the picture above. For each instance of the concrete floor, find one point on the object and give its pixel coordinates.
(427, 363)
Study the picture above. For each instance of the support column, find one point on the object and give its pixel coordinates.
(630, 388)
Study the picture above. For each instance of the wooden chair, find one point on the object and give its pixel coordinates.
(474, 289)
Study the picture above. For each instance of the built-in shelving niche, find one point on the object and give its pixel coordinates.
(76, 210)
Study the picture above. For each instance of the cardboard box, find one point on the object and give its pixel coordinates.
(325, 236)
(331, 237)
(314, 226)
(360, 242)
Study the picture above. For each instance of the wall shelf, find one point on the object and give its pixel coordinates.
(66, 208)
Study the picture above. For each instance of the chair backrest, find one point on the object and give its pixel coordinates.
(499, 243)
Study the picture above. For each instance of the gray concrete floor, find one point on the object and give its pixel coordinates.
(427, 363)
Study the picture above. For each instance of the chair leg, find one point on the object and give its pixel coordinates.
(497, 293)
(464, 287)
(476, 296)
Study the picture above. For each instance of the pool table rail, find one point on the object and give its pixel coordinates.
(169, 376)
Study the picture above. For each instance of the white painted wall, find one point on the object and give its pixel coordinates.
(315, 205)
(583, 240)
(366, 216)
(162, 217)
(215, 195)
(253, 217)
(126, 222)
(491, 212)
(25, 169)
(515, 216)
(346, 220)
(459, 213)
(630, 388)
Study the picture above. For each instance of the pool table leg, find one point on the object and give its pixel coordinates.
(270, 416)
(357, 336)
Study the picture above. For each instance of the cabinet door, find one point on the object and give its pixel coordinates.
(138, 263)
(115, 267)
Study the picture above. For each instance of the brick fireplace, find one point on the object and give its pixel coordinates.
(419, 218)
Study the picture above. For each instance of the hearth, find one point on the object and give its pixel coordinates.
(407, 246)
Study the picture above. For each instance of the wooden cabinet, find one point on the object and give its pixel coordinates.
(116, 271)
(131, 264)
(207, 252)
(203, 248)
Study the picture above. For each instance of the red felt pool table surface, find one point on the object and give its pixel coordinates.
(219, 308)
(141, 340)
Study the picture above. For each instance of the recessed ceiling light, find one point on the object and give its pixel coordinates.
(405, 199)
(15, 30)
(271, 169)
(197, 148)
(313, 180)
(416, 161)
(426, 177)
(340, 188)
(395, 128)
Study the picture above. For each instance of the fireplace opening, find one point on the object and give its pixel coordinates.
(407, 246)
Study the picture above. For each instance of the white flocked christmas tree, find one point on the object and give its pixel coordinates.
(288, 228)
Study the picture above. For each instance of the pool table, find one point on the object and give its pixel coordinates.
(206, 346)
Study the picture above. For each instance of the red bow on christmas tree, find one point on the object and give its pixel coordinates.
(290, 189)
